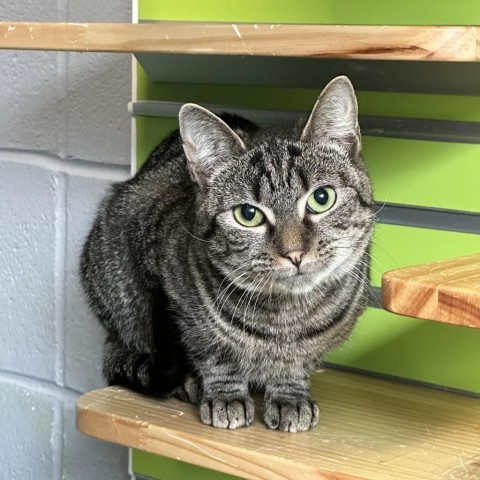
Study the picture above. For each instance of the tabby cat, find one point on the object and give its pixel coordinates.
(234, 259)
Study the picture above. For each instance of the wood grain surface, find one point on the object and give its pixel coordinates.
(369, 429)
(438, 43)
(446, 291)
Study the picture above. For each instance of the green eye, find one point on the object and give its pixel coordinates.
(321, 200)
(248, 215)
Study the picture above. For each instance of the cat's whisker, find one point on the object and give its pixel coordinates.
(375, 270)
(273, 280)
(221, 302)
(358, 275)
(285, 292)
(192, 235)
(220, 309)
(380, 209)
(225, 290)
(260, 292)
(245, 294)
(251, 296)
(392, 258)
(363, 262)
(361, 244)
(228, 275)
(256, 285)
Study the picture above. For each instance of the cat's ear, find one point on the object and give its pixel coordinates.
(335, 116)
(207, 140)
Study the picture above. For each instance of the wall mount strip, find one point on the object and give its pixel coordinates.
(394, 127)
(429, 217)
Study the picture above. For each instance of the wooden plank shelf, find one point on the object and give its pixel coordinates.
(428, 43)
(369, 429)
(446, 291)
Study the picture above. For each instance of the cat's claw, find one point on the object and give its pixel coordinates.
(230, 413)
(298, 416)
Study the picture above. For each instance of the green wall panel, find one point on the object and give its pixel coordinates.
(396, 246)
(154, 466)
(417, 172)
(416, 105)
(150, 131)
(421, 350)
(367, 12)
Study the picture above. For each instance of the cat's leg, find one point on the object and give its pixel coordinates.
(140, 370)
(288, 406)
(225, 400)
(126, 366)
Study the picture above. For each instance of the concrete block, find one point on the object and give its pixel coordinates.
(46, 97)
(40, 11)
(28, 434)
(31, 97)
(87, 458)
(27, 274)
(99, 124)
(93, 11)
(99, 89)
(84, 335)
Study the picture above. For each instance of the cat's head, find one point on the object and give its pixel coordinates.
(285, 209)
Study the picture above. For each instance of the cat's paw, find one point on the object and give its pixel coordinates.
(288, 416)
(189, 391)
(227, 412)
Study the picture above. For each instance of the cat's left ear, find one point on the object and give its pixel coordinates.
(207, 140)
(335, 116)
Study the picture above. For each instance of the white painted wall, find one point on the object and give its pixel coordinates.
(64, 137)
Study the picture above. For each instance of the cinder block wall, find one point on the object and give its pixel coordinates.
(64, 137)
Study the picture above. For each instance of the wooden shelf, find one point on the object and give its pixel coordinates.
(369, 429)
(446, 291)
(433, 43)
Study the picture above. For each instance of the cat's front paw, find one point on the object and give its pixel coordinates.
(227, 412)
(287, 416)
(189, 391)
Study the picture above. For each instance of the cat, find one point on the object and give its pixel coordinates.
(234, 259)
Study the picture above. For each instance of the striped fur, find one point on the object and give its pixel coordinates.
(198, 306)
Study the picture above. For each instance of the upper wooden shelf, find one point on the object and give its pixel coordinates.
(369, 429)
(433, 43)
(447, 291)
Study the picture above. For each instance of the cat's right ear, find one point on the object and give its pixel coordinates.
(207, 140)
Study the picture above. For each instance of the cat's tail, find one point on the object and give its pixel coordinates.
(139, 370)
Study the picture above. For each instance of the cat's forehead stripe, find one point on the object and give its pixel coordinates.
(256, 157)
(294, 150)
(290, 167)
(277, 168)
(303, 179)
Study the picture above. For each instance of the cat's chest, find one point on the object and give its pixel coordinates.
(286, 338)
(260, 358)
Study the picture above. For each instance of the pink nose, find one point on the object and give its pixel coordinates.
(295, 257)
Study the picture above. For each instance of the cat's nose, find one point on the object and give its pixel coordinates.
(295, 257)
